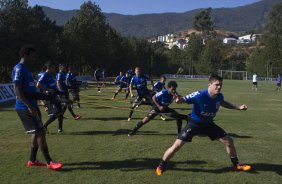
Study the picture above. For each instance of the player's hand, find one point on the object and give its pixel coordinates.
(33, 111)
(243, 107)
(131, 95)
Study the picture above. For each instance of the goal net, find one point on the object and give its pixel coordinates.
(233, 75)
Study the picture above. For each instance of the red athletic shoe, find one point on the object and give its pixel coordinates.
(35, 163)
(54, 166)
(242, 167)
(77, 117)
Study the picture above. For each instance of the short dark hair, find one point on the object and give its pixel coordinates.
(215, 77)
(61, 64)
(48, 64)
(164, 77)
(172, 84)
(26, 50)
(43, 68)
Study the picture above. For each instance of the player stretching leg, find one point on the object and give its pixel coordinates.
(28, 110)
(161, 102)
(205, 106)
(62, 86)
(122, 82)
(47, 85)
(140, 82)
(158, 86)
(72, 86)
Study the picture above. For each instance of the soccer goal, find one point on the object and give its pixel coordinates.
(233, 75)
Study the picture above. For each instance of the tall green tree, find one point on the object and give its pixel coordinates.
(203, 21)
(20, 25)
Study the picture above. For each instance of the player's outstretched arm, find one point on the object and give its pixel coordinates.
(229, 105)
(180, 99)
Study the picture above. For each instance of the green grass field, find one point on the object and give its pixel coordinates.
(96, 148)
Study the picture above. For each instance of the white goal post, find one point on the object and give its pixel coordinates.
(231, 74)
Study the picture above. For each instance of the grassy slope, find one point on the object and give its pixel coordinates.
(96, 149)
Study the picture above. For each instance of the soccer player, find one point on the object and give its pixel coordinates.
(72, 86)
(161, 101)
(160, 85)
(103, 75)
(205, 106)
(255, 81)
(97, 77)
(278, 83)
(40, 73)
(62, 87)
(123, 83)
(140, 83)
(28, 110)
(47, 84)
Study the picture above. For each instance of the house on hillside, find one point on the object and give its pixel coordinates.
(230, 41)
(247, 39)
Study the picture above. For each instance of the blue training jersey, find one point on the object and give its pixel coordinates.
(70, 79)
(158, 86)
(140, 83)
(164, 97)
(39, 75)
(278, 80)
(118, 78)
(61, 77)
(124, 82)
(22, 75)
(47, 81)
(204, 107)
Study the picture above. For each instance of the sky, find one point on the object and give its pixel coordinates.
(135, 7)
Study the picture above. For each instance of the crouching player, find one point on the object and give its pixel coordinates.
(205, 106)
(28, 110)
(161, 101)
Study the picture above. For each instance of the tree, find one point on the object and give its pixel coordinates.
(274, 24)
(202, 21)
(20, 25)
(211, 59)
(192, 53)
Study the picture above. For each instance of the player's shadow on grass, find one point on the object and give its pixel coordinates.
(124, 165)
(239, 136)
(109, 119)
(150, 163)
(117, 133)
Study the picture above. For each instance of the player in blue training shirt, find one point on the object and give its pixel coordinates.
(206, 103)
(161, 101)
(73, 86)
(97, 77)
(143, 93)
(28, 110)
(278, 83)
(62, 86)
(40, 73)
(160, 85)
(47, 84)
(123, 83)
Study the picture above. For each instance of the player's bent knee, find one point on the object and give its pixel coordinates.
(227, 140)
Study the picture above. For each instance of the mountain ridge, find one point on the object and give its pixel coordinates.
(242, 18)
